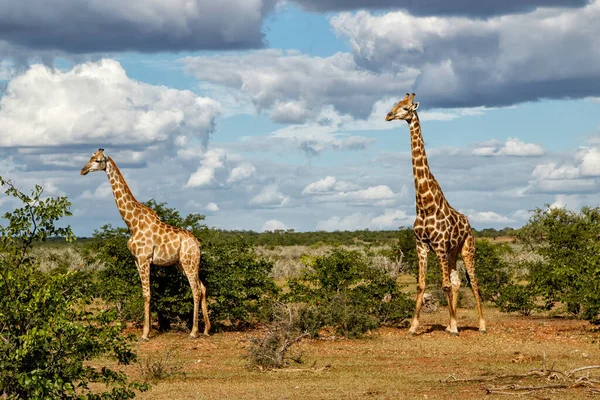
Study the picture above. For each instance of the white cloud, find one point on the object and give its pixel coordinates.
(521, 215)
(213, 159)
(97, 102)
(104, 191)
(273, 225)
(270, 196)
(294, 87)
(464, 62)
(564, 201)
(327, 185)
(241, 172)
(371, 194)
(512, 147)
(212, 207)
(391, 219)
(580, 176)
(487, 217)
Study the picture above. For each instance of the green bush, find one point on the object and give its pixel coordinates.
(516, 298)
(48, 332)
(348, 294)
(568, 270)
(237, 281)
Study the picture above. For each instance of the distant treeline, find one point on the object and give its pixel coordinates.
(291, 238)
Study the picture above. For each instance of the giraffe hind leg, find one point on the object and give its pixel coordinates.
(468, 255)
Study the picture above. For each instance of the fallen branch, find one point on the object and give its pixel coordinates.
(529, 389)
(567, 380)
(583, 369)
(315, 370)
(538, 373)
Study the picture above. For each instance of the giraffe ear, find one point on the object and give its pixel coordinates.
(415, 105)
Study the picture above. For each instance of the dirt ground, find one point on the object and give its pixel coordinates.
(386, 365)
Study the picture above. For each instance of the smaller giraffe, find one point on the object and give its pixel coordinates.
(153, 242)
(438, 226)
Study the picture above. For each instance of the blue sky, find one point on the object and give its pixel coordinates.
(270, 114)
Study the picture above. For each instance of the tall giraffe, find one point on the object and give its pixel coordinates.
(153, 242)
(438, 226)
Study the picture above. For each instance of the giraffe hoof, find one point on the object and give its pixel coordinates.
(483, 331)
(452, 333)
(412, 334)
(144, 339)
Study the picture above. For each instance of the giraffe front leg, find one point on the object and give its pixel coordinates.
(422, 251)
(144, 271)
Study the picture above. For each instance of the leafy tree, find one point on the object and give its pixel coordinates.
(48, 334)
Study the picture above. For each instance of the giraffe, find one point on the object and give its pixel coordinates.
(438, 226)
(153, 242)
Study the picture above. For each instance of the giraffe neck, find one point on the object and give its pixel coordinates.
(126, 203)
(424, 180)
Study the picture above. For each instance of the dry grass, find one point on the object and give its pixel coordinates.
(288, 262)
(387, 365)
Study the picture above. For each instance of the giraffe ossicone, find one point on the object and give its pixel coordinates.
(153, 242)
(438, 226)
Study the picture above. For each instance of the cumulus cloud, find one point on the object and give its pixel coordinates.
(241, 172)
(390, 219)
(273, 225)
(212, 207)
(97, 102)
(371, 194)
(293, 87)
(463, 62)
(582, 175)
(213, 159)
(104, 191)
(565, 201)
(487, 217)
(270, 196)
(136, 25)
(479, 9)
(512, 147)
(327, 185)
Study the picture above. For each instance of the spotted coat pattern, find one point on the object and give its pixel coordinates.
(438, 227)
(153, 242)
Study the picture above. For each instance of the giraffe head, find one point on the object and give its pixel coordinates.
(404, 109)
(96, 163)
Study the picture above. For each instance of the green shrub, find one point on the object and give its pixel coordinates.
(568, 270)
(349, 294)
(238, 282)
(516, 298)
(48, 334)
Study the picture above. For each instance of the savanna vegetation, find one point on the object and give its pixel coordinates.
(68, 307)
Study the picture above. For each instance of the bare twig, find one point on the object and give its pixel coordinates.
(582, 369)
